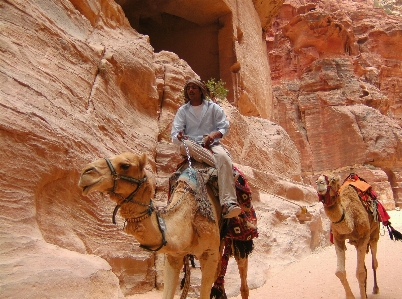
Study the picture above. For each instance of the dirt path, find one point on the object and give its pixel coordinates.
(314, 277)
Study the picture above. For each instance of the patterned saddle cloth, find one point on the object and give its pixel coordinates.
(243, 227)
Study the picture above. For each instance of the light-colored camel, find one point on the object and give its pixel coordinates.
(131, 186)
(350, 220)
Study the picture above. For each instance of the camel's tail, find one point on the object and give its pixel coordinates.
(393, 233)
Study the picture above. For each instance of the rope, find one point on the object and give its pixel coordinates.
(280, 197)
(188, 154)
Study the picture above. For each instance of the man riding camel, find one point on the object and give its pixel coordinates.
(200, 124)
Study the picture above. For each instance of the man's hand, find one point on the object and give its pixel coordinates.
(208, 140)
(180, 135)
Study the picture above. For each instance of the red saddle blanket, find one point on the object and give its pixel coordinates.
(368, 197)
(243, 227)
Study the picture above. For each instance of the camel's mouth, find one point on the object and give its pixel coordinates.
(321, 186)
(88, 188)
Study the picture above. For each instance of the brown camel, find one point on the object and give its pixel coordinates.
(188, 225)
(350, 220)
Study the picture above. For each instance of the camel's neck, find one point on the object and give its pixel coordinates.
(140, 216)
(147, 232)
(335, 212)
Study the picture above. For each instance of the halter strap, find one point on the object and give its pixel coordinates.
(129, 198)
(162, 228)
(342, 217)
(149, 211)
(117, 176)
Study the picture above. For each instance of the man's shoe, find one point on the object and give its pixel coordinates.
(231, 210)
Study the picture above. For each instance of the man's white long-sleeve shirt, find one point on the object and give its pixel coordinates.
(212, 119)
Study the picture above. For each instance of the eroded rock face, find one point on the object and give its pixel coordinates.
(333, 66)
(78, 83)
(71, 90)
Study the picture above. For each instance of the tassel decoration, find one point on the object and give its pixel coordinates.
(393, 233)
(182, 282)
(218, 293)
(185, 282)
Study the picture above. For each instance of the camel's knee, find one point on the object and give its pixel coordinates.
(374, 264)
(361, 275)
(341, 275)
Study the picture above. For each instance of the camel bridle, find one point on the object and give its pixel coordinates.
(328, 200)
(129, 198)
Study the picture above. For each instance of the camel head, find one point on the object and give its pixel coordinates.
(119, 176)
(327, 188)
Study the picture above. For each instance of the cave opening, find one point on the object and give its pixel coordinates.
(193, 32)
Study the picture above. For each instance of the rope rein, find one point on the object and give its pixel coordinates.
(188, 154)
(278, 196)
(186, 190)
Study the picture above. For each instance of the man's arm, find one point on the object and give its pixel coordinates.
(178, 125)
(222, 124)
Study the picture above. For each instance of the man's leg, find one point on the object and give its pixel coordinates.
(199, 153)
(226, 183)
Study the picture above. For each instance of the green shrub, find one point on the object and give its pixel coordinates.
(217, 88)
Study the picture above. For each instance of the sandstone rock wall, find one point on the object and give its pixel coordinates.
(71, 90)
(336, 80)
(78, 83)
(219, 38)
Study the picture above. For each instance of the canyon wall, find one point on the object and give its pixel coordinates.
(79, 82)
(337, 83)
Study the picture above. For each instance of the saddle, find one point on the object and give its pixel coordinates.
(369, 200)
(368, 197)
(243, 227)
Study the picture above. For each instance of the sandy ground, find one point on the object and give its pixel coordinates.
(314, 276)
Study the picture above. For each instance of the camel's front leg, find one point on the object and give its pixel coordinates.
(242, 265)
(374, 264)
(209, 263)
(171, 274)
(361, 271)
(340, 267)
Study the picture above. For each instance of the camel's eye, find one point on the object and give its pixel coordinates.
(89, 170)
(125, 166)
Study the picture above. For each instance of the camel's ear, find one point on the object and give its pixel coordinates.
(142, 161)
(337, 179)
(333, 179)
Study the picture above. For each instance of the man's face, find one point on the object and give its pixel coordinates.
(193, 91)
